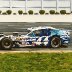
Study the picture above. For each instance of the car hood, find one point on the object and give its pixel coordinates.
(64, 32)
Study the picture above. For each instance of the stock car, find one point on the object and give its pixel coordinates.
(37, 36)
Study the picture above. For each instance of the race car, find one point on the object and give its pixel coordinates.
(37, 36)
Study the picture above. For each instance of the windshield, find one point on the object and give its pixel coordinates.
(34, 33)
(31, 34)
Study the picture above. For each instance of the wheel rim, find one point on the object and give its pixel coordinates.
(55, 42)
(6, 43)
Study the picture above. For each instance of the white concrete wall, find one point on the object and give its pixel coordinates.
(35, 18)
(36, 5)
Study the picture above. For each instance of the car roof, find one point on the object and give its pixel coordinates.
(38, 28)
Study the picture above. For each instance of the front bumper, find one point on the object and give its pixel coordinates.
(65, 39)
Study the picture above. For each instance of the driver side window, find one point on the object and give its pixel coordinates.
(37, 32)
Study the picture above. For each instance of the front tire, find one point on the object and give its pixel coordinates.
(55, 42)
(6, 44)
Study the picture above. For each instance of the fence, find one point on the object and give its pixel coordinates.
(36, 5)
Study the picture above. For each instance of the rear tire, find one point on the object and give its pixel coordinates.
(6, 44)
(55, 42)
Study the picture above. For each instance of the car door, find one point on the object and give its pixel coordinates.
(43, 36)
(34, 37)
(39, 37)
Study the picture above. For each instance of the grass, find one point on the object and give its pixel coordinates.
(36, 62)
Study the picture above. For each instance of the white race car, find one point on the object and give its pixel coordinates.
(37, 36)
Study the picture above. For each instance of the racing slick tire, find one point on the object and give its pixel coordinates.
(6, 44)
(55, 42)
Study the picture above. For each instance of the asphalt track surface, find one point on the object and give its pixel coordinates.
(8, 28)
